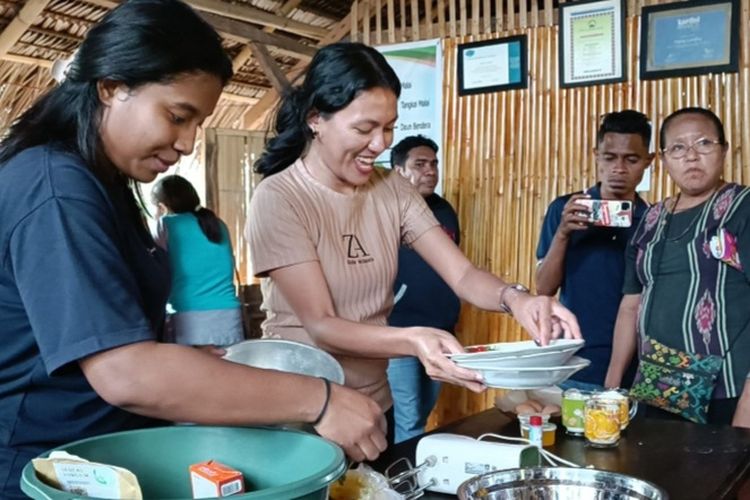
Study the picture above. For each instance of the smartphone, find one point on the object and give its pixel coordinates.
(609, 213)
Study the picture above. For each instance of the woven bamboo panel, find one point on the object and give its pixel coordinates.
(508, 154)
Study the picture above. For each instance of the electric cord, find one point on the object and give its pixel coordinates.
(551, 458)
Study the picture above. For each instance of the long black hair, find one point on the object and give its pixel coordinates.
(180, 197)
(335, 77)
(137, 43)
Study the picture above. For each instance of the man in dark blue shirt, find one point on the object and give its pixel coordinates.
(586, 263)
(422, 297)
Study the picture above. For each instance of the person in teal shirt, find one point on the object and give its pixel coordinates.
(203, 296)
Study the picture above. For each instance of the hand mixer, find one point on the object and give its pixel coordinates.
(444, 461)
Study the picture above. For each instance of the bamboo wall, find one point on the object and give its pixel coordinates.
(508, 154)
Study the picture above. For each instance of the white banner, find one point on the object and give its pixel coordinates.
(419, 66)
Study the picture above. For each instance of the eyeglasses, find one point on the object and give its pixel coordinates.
(702, 146)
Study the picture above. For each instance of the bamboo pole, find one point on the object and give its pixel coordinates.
(354, 18)
(366, 26)
(428, 18)
(475, 17)
(452, 17)
(549, 9)
(486, 17)
(391, 21)
(441, 17)
(462, 20)
(511, 16)
(498, 16)
(414, 20)
(378, 22)
(402, 11)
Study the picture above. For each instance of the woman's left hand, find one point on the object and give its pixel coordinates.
(544, 318)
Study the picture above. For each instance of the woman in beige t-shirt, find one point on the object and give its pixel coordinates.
(325, 227)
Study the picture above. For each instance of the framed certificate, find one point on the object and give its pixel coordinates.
(492, 65)
(689, 38)
(592, 42)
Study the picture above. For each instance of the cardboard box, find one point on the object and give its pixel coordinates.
(213, 479)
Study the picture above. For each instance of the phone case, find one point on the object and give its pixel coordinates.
(610, 213)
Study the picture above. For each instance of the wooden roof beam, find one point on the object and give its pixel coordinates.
(254, 116)
(254, 15)
(25, 17)
(240, 59)
(272, 70)
(31, 61)
(217, 9)
(44, 63)
(247, 51)
(285, 10)
(245, 32)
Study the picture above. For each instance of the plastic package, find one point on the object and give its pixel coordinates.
(363, 483)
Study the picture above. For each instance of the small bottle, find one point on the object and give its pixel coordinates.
(535, 430)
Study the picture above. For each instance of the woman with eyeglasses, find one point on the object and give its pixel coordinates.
(687, 281)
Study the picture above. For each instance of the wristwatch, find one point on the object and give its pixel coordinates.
(515, 286)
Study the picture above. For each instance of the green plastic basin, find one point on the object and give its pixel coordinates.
(277, 463)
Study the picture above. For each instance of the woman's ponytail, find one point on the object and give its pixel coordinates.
(292, 135)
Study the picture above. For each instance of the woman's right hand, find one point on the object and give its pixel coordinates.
(355, 422)
(431, 345)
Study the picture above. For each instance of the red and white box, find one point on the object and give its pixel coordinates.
(213, 479)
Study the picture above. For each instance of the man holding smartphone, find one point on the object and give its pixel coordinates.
(585, 259)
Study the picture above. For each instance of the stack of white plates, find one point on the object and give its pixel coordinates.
(523, 365)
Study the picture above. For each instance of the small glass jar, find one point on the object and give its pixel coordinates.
(620, 396)
(573, 409)
(548, 433)
(602, 423)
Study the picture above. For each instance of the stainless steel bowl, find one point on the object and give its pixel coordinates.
(286, 356)
(558, 483)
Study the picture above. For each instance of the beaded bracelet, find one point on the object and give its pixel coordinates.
(325, 404)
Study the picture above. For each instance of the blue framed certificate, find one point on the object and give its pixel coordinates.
(689, 38)
(492, 65)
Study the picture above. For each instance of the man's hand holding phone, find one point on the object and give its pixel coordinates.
(575, 216)
(609, 213)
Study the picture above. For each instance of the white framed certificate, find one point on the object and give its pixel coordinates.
(592, 42)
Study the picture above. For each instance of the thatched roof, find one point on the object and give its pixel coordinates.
(266, 39)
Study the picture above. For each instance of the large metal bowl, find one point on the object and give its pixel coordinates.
(558, 483)
(286, 356)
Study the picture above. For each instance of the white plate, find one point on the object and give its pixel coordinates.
(536, 359)
(510, 349)
(532, 378)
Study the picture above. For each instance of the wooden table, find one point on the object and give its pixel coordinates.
(691, 462)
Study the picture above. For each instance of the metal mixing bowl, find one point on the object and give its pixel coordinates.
(286, 356)
(558, 483)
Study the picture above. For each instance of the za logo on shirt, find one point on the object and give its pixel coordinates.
(355, 252)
